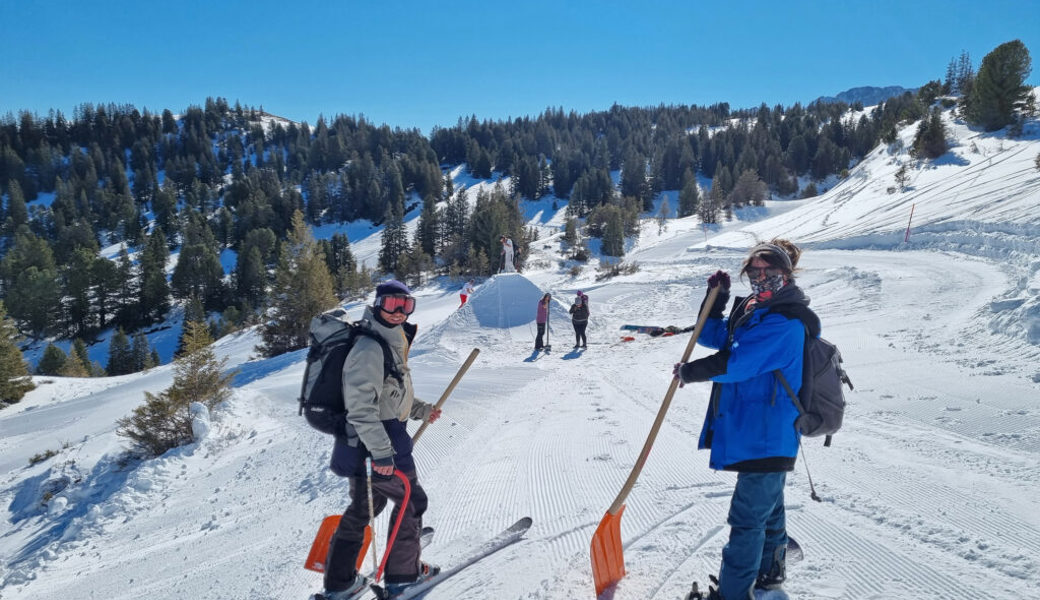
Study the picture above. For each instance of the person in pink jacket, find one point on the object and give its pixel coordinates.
(541, 319)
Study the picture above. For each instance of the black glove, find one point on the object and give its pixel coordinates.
(719, 278)
(718, 310)
(705, 368)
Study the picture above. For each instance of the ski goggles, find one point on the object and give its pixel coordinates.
(756, 272)
(396, 303)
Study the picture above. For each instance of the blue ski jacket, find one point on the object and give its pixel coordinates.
(749, 425)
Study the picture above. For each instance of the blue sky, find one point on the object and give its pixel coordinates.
(420, 64)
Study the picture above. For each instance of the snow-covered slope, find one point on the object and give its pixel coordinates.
(929, 491)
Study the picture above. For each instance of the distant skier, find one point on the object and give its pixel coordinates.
(541, 319)
(580, 319)
(377, 407)
(467, 291)
(748, 426)
(507, 255)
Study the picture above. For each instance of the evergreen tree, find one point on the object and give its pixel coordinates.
(126, 299)
(302, 289)
(198, 273)
(154, 292)
(930, 140)
(16, 214)
(197, 374)
(164, 421)
(104, 275)
(30, 281)
(614, 232)
(749, 190)
(570, 231)
(78, 287)
(120, 361)
(999, 91)
(634, 182)
(78, 364)
(428, 232)
(689, 196)
(250, 277)
(141, 353)
(14, 373)
(394, 240)
(52, 362)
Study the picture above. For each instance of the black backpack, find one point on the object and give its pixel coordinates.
(321, 396)
(820, 401)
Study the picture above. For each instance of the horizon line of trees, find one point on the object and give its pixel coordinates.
(215, 179)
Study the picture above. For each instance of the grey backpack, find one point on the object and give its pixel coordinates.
(820, 401)
(332, 337)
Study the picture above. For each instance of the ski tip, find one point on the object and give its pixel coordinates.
(522, 524)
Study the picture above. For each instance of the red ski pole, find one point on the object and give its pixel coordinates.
(397, 524)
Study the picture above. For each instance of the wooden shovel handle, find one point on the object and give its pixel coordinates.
(448, 391)
(638, 468)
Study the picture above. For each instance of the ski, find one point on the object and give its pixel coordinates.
(508, 536)
(650, 329)
(655, 330)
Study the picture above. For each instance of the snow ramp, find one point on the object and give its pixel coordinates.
(501, 311)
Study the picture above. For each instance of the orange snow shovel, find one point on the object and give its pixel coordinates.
(608, 560)
(320, 546)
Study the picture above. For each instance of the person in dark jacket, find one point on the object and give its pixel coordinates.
(378, 407)
(580, 319)
(749, 425)
(541, 319)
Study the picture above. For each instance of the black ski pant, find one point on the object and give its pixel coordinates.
(538, 344)
(579, 332)
(403, 564)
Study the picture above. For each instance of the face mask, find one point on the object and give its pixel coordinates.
(768, 285)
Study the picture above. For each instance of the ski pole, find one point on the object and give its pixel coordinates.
(812, 489)
(371, 512)
(447, 392)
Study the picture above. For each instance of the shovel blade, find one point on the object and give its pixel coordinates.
(608, 560)
(320, 547)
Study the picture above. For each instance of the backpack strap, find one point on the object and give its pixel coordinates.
(780, 376)
(389, 365)
(790, 391)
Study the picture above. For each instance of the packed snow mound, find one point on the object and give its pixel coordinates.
(501, 310)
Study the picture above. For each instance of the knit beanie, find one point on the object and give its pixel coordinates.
(391, 287)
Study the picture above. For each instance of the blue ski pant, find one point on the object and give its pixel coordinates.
(758, 534)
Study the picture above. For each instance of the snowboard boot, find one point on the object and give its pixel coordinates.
(359, 585)
(426, 571)
(774, 578)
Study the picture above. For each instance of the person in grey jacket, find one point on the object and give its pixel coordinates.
(378, 407)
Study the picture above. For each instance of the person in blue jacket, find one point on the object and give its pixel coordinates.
(749, 425)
